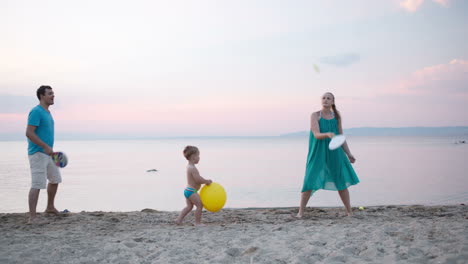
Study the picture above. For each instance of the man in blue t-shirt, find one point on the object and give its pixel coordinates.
(40, 134)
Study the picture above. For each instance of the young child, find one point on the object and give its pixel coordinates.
(194, 181)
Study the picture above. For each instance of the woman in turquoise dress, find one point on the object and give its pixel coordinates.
(327, 169)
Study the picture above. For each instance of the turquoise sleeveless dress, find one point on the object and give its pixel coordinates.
(327, 169)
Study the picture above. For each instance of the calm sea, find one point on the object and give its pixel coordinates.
(256, 172)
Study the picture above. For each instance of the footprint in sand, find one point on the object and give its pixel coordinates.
(130, 244)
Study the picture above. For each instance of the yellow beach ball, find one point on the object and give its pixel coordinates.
(213, 197)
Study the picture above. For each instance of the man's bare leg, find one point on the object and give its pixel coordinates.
(32, 200)
(51, 192)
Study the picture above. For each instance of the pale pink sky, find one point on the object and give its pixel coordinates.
(233, 68)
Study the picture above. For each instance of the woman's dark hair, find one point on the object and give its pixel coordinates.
(335, 111)
(41, 91)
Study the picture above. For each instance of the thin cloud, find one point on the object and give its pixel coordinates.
(341, 60)
(451, 77)
(413, 5)
(442, 2)
(436, 94)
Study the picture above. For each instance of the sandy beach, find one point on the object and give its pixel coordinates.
(381, 234)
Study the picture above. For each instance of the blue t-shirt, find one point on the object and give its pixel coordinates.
(44, 122)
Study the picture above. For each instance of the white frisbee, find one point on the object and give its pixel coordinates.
(336, 142)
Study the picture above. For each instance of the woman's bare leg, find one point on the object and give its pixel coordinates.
(344, 195)
(305, 196)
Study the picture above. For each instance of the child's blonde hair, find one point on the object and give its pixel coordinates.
(189, 151)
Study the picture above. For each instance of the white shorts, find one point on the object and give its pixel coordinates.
(43, 169)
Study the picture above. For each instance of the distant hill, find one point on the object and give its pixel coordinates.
(397, 131)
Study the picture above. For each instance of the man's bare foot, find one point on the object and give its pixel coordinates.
(52, 211)
(177, 222)
(200, 224)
